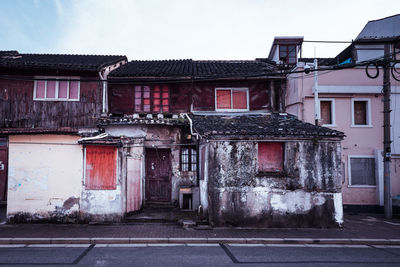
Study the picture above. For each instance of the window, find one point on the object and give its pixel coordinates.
(56, 89)
(231, 99)
(152, 99)
(362, 171)
(287, 54)
(270, 157)
(100, 167)
(188, 159)
(361, 113)
(327, 109)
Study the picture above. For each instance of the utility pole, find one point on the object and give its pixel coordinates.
(317, 116)
(386, 133)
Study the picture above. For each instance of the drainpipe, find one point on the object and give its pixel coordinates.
(191, 126)
(198, 137)
(316, 101)
(104, 109)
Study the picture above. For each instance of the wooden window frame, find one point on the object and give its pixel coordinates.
(349, 157)
(57, 80)
(333, 117)
(282, 170)
(367, 112)
(288, 57)
(231, 89)
(190, 158)
(151, 99)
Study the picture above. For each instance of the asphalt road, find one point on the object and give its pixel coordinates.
(198, 255)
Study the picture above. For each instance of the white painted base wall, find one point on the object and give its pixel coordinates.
(45, 174)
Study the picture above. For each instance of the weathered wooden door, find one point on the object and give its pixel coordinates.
(158, 175)
(3, 168)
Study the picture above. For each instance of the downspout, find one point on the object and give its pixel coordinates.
(104, 108)
(198, 136)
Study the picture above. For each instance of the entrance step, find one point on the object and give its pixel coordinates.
(164, 214)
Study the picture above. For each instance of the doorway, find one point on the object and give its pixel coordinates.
(158, 175)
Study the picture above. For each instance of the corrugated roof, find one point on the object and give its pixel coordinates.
(13, 59)
(259, 125)
(194, 68)
(386, 29)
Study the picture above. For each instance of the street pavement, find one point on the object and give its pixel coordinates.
(358, 229)
(198, 255)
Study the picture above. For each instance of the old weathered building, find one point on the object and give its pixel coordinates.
(217, 131)
(210, 136)
(47, 103)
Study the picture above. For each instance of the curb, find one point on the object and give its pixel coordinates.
(132, 240)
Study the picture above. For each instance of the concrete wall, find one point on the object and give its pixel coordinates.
(45, 178)
(307, 194)
(106, 205)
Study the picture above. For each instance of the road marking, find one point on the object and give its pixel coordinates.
(391, 223)
(166, 245)
(13, 246)
(202, 245)
(58, 245)
(245, 245)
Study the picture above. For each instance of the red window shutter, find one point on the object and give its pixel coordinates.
(270, 157)
(239, 99)
(101, 166)
(223, 99)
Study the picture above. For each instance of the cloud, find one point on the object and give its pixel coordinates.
(158, 29)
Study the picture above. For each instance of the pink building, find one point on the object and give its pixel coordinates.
(351, 102)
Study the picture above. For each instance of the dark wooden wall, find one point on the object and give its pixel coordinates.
(19, 110)
(200, 94)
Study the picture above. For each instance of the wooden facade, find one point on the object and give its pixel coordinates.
(18, 109)
(200, 96)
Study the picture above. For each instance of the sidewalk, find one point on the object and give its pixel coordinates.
(358, 229)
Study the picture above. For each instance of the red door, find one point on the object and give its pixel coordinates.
(158, 175)
(3, 168)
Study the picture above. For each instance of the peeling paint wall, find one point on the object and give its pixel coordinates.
(45, 178)
(162, 137)
(106, 205)
(306, 194)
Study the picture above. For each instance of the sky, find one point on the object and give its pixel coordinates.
(181, 29)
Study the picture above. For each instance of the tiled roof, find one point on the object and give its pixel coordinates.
(385, 29)
(189, 68)
(13, 59)
(259, 125)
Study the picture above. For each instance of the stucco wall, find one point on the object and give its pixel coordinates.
(359, 141)
(308, 194)
(45, 178)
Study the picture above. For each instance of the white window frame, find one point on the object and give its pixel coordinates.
(349, 170)
(332, 100)
(368, 113)
(56, 79)
(232, 89)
